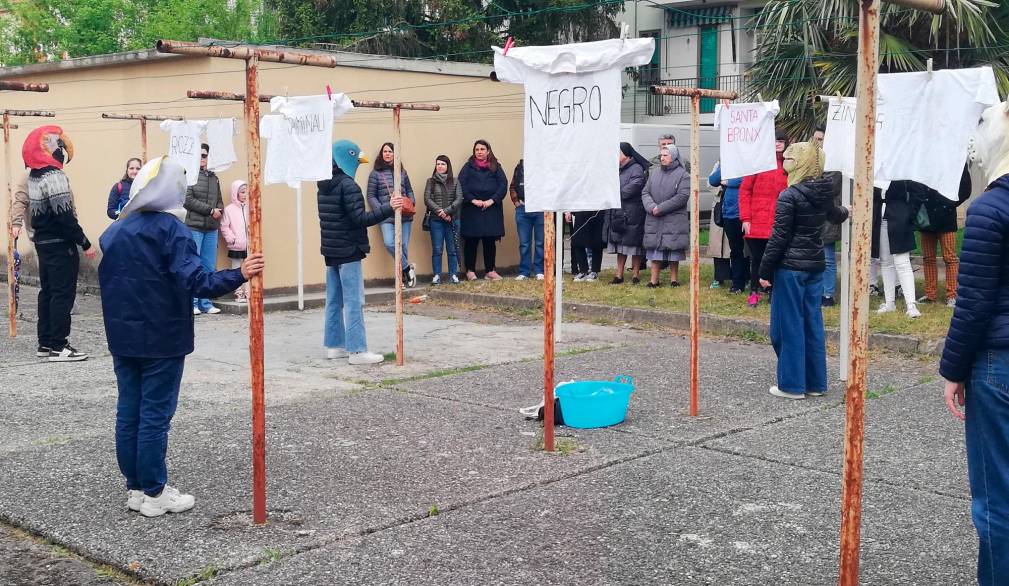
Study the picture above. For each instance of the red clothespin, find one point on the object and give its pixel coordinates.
(508, 45)
(329, 92)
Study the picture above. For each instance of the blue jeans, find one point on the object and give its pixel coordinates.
(206, 246)
(530, 226)
(389, 239)
(442, 237)
(987, 429)
(344, 327)
(797, 331)
(830, 273)
(148, 395)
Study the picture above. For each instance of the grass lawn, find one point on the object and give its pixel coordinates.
(933, 323)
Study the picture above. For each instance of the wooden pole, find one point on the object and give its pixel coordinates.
(861, 226)
(12, 322)
(549, 262)
(397, 170)
(695, 251)
(695, 95)
(256, 294)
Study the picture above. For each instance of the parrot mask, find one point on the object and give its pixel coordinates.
(47, 146)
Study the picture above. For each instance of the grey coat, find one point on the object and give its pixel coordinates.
(201, 199)
(667, 188)
(626, 226)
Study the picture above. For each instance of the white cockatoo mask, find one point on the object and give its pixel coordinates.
(989, 147)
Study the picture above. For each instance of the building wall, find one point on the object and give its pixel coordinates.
(472, 107)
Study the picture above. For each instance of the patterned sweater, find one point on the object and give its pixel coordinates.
(51, 205)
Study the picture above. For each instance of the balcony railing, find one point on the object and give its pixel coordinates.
(660, 105)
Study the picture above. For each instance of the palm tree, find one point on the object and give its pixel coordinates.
(808, 47)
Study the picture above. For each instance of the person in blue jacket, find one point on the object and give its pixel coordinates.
(975, 358)
(732, 227)
(149, 273)
(120, 192)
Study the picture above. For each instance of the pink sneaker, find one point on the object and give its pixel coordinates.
(753, 300)
(492, 276)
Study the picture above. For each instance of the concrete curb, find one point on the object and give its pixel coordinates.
(710, 324)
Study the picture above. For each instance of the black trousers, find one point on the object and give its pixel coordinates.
(740, 271)
(58, 268)
(757, 246)
(580, 260)
(489, 252)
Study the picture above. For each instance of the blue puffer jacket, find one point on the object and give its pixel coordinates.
(118, 196)
(981, 318)
(149, 274)
(730, 201)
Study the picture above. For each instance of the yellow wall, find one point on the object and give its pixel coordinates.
(472, 107)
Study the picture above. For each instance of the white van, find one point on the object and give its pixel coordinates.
(645, 139)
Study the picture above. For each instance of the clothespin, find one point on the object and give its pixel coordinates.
(329, 92)
(760, 97)
(928, 67)
(508, 45)
(625, 29)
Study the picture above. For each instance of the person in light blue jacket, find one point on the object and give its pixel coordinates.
(732, 228)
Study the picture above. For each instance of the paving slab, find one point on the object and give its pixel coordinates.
(910, 440)
(685, 516)
(734, 378)
(337, 466)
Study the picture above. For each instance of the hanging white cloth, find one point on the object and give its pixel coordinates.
(184, 145)
(746, 138)
(572, 119)
(221, 140)
(308, 124)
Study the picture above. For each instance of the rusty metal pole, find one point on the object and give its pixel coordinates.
(143, 139)
(695, 252)
(397, 170)
(256, 293)
(695, 95)
(861, 226)
(12, 321)
(12, 325)
(549, 282)
(21, 86)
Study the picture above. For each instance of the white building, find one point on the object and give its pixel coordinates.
(699, 43)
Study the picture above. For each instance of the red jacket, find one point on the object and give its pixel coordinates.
(758, 196)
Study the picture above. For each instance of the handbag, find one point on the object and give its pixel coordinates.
(921, 219)
(425, 224)
(716, 211)
(618, 222)
(408, 210)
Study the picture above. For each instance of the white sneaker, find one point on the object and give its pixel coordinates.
(411, 272)
(780, 393)
(436, 280)
(134, 499)
(886, 308)
(912, 311)
(539, 276)
(334, 353)
(214, 309)
(196, 311)
(455, 279)
(951, 302)
(591, 277)
(521, 278)
(359, 358)
(67, 354)
(579, 278)
(814, 393)
(169, 501)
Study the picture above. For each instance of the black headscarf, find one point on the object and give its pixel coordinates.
(629, 152)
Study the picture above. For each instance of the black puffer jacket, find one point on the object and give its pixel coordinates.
(902, 199)
(942, 211)
(343, 219)
(796, 241)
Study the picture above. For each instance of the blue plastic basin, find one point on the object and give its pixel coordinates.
(595, 403)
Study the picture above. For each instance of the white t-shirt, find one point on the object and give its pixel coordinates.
(277, 132)
(572, 119)
(839, 140)
(184, 145)
(746, 138)
(926, 124)
(310, 134)
(221, 140)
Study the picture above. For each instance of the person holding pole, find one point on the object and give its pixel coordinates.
(344, 224)
(758, 195)
(380, 189)
(443, 198)
(234, 230)
(529, 226)
(205, 208)
(667, 226)
(483, 189)
(793, 261)
(120, 192)
(57, 235)
(975, 358)
(624, 228)
(149, 273)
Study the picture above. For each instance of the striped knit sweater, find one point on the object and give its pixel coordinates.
(51, 205)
